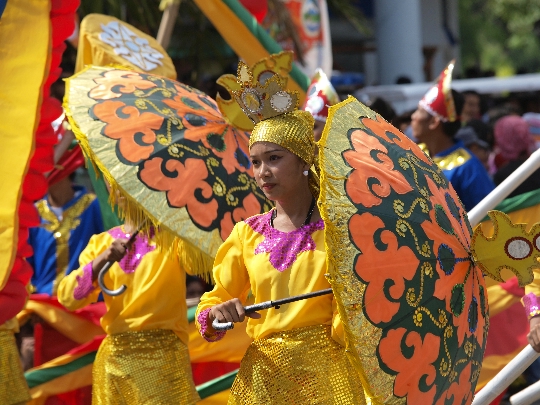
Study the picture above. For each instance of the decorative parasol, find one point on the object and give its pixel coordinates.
(166, 149)
(408, 286)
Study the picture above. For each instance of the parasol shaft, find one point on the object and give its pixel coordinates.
(526, 396)
(108, 265)
(270, 304)
(521, 174)
(506, 376)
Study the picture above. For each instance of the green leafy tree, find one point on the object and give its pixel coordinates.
(500, 35)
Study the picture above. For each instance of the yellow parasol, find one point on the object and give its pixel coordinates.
(403, 262)
(166, 149)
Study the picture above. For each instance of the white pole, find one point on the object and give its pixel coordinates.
(506, 376)
(506, 187)
(399, 44)
(526, 396)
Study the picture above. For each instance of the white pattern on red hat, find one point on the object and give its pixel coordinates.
(438, 101)
(320, 95)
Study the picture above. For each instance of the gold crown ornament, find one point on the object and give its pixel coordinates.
(255, 78)
(274, 111)
(263, 100)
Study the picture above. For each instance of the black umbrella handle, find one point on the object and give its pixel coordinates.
(108, 265)
(220, 326)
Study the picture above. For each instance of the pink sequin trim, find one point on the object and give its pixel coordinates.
(203, 321)
(532, 305)
(84, 283)
(283, 247)
(134, 255)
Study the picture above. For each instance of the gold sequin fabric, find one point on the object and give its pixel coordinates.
(300, 366)
(143, 367)
(13, 387)
(292, 131)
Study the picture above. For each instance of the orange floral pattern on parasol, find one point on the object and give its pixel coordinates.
(408, 289)
(168, 150)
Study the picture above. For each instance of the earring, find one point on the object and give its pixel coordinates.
(305, 172)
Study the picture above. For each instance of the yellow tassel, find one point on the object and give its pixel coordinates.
(193, 260)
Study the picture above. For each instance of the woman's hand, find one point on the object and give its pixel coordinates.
(117, 250)
(114, 253)
(534, 333)
(229, 311)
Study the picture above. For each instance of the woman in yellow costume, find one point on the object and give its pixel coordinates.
(297, 356)
(144, 358)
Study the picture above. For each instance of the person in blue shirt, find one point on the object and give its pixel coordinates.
(69, 215)
(434, 124)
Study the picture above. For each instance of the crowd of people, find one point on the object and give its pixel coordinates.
(500, 132)
(144, 357)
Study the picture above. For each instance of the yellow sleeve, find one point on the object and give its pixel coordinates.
(69, 283)
(534, 287)
(230, 274)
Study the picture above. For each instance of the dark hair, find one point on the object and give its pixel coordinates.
(450, 128)
(383, 108)
(468, 92)
(483, 130)
(403, 118)
(403, 80)
(481, 97)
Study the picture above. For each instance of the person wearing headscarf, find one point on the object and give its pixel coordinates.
(434, 125)
(514, 144)
(297, 354)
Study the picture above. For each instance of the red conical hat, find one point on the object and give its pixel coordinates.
(320, 95)
(68, 156)
(438, 100)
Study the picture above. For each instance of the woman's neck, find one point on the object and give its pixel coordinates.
(438, 144)
(293, 212)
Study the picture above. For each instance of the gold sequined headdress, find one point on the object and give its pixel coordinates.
(274, 111)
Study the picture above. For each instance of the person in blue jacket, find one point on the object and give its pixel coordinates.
(434, 124)
(69, 216)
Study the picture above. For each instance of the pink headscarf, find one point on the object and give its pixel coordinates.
(512, 138)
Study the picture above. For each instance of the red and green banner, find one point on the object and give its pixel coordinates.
(306, 30)
(214, 365)
(248, 39)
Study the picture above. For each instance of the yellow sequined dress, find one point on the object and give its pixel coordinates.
(13, 387)
(297, 355)
(144, 359)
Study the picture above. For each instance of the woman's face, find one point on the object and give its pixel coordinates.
(278, 172)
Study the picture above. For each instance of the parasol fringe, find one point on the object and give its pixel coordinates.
(191, 259)
(330, 230)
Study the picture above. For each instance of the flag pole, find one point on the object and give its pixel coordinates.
(168, 20)
(506, 376)
(527, 395)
